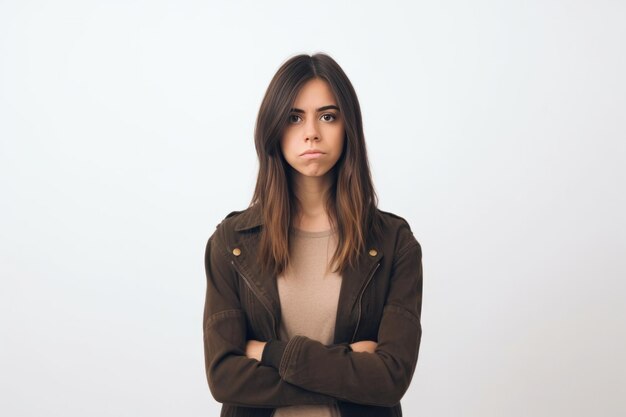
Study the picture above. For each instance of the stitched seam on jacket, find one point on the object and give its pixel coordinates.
(394, 308)
(405, 250)
(296, 352)
(281, 365)
(290, 350)
(222, 315)
(285, 359)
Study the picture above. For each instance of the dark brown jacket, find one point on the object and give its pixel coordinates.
(380, 300)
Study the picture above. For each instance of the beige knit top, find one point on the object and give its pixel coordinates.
(309, 294)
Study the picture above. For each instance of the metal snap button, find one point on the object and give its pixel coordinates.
(373, 252)
(236, 251)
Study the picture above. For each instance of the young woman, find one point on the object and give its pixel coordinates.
(314, 294)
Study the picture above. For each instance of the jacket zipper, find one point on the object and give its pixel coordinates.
(252, 288)
(360, 297)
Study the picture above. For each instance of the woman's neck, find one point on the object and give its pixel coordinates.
(312, 194)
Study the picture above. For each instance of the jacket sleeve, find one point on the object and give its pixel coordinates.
(380, 378)
(234, 378)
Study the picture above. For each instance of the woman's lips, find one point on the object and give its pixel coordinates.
(312, 155)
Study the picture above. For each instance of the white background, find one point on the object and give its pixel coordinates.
(497, 129)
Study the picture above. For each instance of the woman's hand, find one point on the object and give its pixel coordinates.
(364, 346)
(254, 349)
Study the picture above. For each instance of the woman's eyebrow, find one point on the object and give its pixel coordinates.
(332, 106)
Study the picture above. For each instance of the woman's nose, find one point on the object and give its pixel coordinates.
(311, 132)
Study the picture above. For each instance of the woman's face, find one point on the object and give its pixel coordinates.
(315, 123)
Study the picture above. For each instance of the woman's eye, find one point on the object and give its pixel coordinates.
(291, 118)
(332, 117)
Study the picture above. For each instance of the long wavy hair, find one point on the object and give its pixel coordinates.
(352, 201)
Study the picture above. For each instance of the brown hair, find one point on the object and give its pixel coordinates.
(352, 201)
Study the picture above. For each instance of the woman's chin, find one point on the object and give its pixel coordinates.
(314, 173)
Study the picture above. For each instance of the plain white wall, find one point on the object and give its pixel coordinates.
(497, 129)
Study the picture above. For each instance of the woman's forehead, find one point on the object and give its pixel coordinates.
(314, 93)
